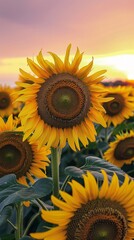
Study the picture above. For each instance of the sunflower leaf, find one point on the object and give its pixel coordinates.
(96, 164)
(110, 173)
(9, 190)
(5, 214)
(7, 237)
(98, 175)
(74, 171)
(41, 188)
(7, 181)
(123, 127)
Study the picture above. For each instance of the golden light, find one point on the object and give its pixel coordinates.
(124, 63)
(119, 66)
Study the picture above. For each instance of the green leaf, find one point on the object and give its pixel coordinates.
(98, 175)
(7, 181)
(109, 172)
(123, 127)
(74, 171)
(11, 189)
(5, 214)
(96, 164)
(7, 237)
(102, 145)
(41, 188)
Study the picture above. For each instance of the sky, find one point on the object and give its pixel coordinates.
(100, 28)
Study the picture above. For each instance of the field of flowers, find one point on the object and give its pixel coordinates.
(66, 153)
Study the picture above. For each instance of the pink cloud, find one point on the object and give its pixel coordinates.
(97, 27)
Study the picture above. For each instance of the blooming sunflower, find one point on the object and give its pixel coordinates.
(130, 83)
(115, 83)
(92, 213)
(20, 157)
(121, 107)
(6, 100)
(121, 151)
(62, 100)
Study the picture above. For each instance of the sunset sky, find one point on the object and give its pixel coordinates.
(101, 28)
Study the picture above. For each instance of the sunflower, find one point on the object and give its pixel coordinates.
(118, 82)
(62, 100)
(92, 212)
(121, 107)
(121, 151)
(129, 83)
(6, 101)
(20, 157)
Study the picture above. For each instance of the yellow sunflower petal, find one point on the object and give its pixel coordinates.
(76, 61)
(62, 205)
(87, 205)
(36, 69)
(104, 187)
(58, 62)
(69, 101)
(84, 71)
(66, 59)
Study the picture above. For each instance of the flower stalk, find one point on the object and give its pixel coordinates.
(55, 161)
(19, 220)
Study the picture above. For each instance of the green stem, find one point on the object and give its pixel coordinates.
(131, 171)
(13, 226)
(30, 223)
(67, 179)
(100, 152)
(41, 203)
(19, 220)
(106, 134)
(55, 161)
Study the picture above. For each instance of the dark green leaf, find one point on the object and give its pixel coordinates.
(99, 162)
(109, 172)
(7, 237)
(11, 189)
(96, 164)
(43, 185)
(102, 145)
(98, 175)
(41, 188)
(7, 181)
(123, 127)
(5, 214)
(73, 171)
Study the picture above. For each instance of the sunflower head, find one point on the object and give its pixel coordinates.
(18, 156)
(63, 99)
(121, 107)
(121, 151)
(93, 211)
(6, 100)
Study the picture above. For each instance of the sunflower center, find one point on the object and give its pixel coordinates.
(15, 155)
(99, 219)
(63, 101)
(114, 106)
(125, 149)
(4, 100)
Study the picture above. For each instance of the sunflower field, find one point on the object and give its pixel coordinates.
(66, 153)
